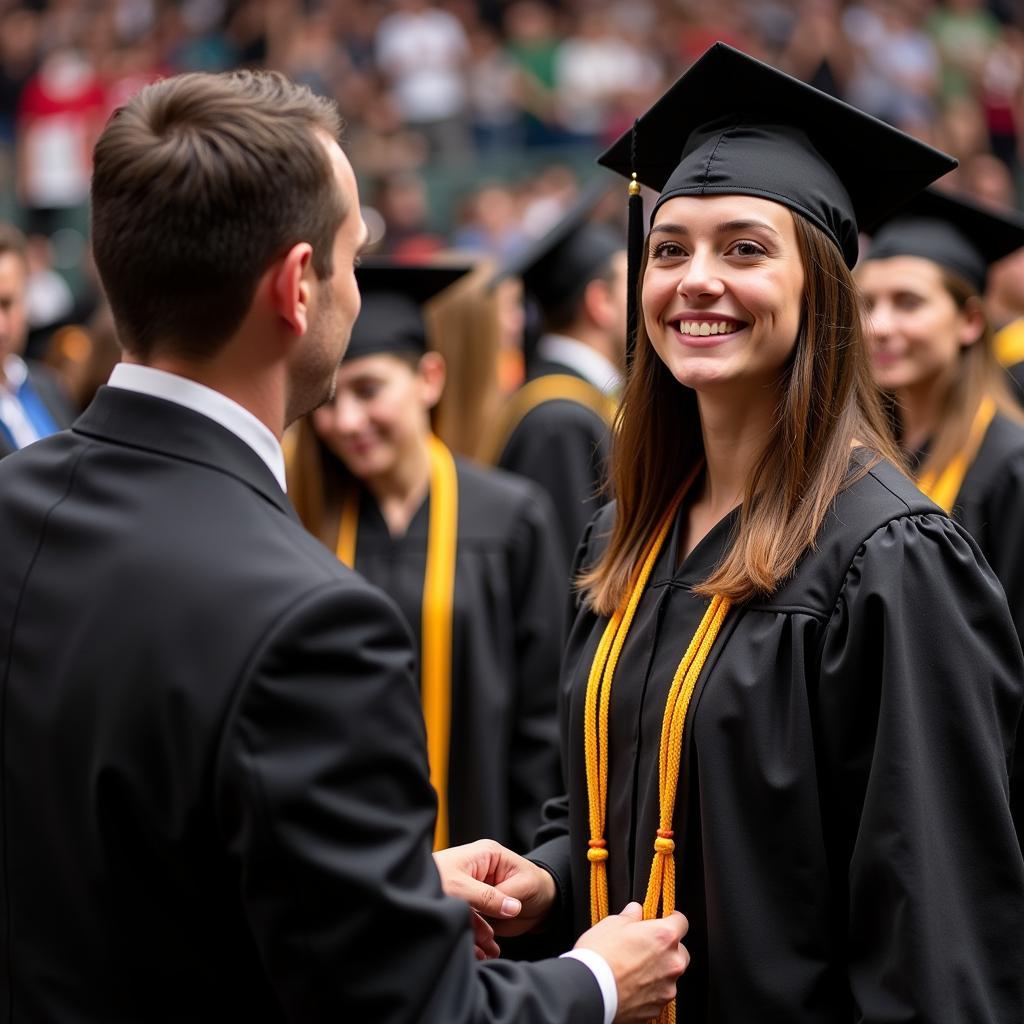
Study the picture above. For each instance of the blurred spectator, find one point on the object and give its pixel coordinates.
(31, 403)
(424, 53)
(595, 69)
(491, 223)
(19, 46)
(493, 90)
(60, 114)
(401, 200)
(965, 33)
(533, 45)
(82, 357)
(896, 67)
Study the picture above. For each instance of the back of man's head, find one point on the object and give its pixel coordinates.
(199, 184)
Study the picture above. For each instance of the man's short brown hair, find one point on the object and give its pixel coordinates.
(199, 184)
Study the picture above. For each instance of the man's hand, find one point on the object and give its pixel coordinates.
(514, 894)
(645, 956)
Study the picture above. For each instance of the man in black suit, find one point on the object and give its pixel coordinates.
(31, 402)
(215, 803)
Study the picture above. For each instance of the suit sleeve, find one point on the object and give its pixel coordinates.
(539, 577)
(326, 814)
(919, 698)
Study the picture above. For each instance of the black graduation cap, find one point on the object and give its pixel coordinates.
(559, 265)
(392, 293)
(951, 231)
(734, 125)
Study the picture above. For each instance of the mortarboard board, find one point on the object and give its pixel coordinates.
(561, 263)
(390, 319)
(951, 231)
(732, 125)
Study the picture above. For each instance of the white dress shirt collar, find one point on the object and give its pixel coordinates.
(586, 361)
(229, 414)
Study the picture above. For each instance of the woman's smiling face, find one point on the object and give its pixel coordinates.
(723, 290)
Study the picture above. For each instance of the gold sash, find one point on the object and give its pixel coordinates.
(438, 599)
(536, 392)
(944, 488)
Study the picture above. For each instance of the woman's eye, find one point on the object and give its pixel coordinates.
(667, 250)
(747, 249)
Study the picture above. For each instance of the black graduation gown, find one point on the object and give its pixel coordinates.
(845, 848)
(563, 446)
(508, 627)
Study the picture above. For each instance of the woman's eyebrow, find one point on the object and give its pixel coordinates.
(724, 228)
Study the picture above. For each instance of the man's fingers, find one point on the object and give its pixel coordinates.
(485, 898)
(483, 937)
(634, 911)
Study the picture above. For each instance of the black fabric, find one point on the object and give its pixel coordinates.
(392, 293)
(845, 845)
(564, 447)
(736, 126)
(508, 627)
(952, 232)
(990, 506)
(216, 804)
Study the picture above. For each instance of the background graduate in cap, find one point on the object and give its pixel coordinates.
(555, 429)
(469, 555)
(791, 688)
(932, 350)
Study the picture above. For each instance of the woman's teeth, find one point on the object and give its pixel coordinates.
(704, 328)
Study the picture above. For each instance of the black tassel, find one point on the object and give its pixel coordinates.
(635, 252)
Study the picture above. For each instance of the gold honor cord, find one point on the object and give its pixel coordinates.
(944, 488)
(661, 893)
(1010, 344)
(537, 392)
(438, 599)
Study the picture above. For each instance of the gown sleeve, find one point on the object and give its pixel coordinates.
(538, 575)
(919, 696)
(562, 447)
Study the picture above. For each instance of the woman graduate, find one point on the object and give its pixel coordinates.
(932, 350)
(469, 555)
(791, 688)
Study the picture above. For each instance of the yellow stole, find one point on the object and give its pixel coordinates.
(945, 486)
(438, 593)
(536, 392)
(1010, 343)
(661, 896)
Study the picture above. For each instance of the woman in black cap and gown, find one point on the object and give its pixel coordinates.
(792, 684)
(469, 555)
(932, 351)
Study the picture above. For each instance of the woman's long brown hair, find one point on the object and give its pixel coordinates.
(978, 376)
(827, 404)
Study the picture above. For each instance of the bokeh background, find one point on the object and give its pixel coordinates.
(472, 123)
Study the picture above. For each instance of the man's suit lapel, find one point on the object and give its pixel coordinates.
(140, 421)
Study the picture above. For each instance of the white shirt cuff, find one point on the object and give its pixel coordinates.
(605, 979)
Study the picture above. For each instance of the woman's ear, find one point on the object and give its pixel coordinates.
(973, 321)
(432, 372)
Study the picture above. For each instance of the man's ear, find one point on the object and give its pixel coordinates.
(290, 287)
(597, 302)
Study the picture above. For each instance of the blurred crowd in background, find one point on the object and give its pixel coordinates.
(473, 123)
